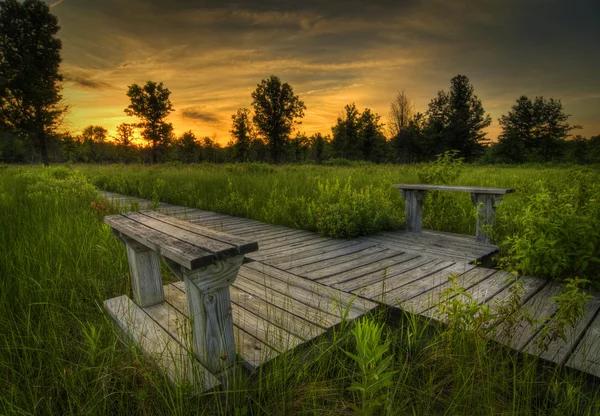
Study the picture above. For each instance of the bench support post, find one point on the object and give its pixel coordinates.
(486, 214)
(210, 312)
(414, 208)
(144, 268)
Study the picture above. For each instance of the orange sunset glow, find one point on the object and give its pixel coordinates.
(211, 55)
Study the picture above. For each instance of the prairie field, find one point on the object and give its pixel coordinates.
(60, 352)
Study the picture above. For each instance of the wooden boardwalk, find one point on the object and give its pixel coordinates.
(297, 284)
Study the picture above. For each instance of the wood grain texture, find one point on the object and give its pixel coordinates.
(414, 208)
(486, 214)
(539, 307)
(172, 359)
(559, 350)
(421, 303)
(209, 306)
(144, 269)
(586, 356)
(425, 187)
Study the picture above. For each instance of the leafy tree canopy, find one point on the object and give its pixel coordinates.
(276, 109)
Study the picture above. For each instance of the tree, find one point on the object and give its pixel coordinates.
(372, 140)
(345, 141)
(533, 131)
(188, 147)
(276, 109)
(151, 104)
(211, 149)
(242, 133)
(30, 82)
(408, 144)
(455, 121)
(401, 113)
(94, 139)
(125, 135)
(299, 148)
(319, 147)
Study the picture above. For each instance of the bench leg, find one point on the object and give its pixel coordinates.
(210, 312)
(414, 208)
(486, 214)
(144, 268)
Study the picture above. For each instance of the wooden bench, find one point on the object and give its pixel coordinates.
(485, 199)
(207, 261)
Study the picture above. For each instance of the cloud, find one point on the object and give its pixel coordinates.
(87, 82)
(197, 114)
(56, 3)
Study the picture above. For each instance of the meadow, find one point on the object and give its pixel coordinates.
(61, 354)
(550, 227)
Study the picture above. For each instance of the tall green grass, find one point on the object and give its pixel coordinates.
(61, 354)
(549, 228)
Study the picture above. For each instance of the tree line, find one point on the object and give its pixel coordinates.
(32, 109)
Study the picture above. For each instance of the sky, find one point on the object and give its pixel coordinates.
(211, 54)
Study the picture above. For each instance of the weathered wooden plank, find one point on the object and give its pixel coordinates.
(414, 208)
(343, 262)
(264, 236)
(288, 252)
(253, 351)
(419, 286)
(179, 251)
(290, 258)
(398, 280)
(144, 270)
(482, 291)
(439, 242)
(531, 285)
(290, 240)
(480, 190)
(311, 293)
(278, 309)
(172, 359)
(220, 249)
(403, 264)
(328, 255)
(272, 335)
(407, 245)
(209, 305)
(365, 266)
(419, 304)
(586, 356)
(539, 307)
(185, 230)
(558, 351)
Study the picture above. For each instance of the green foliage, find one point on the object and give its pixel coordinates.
(62, 355)
(151, 104)
(30, 99)
(342, 212)
(456, 121)
(374, 367)
(533, 131)
(571, 303)
(440, 207)
(358, 136)
(276, 109)
(241, 132)
(444, 171)
(460, 311)
(556, 204)
(557, 233)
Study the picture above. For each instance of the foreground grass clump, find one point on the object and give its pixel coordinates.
(549, 228)
(60, 353)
